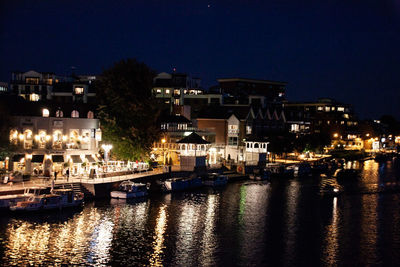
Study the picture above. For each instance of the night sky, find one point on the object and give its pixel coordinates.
(347, 50)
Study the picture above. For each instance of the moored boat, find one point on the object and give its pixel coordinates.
(175, 184)
(128, 189)
(215, 179)
(60, 198)
(260, 175)
(8, 200)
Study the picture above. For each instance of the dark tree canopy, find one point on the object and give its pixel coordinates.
(6, 149)
(127, 109)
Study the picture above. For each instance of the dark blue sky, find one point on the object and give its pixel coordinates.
(347, 50)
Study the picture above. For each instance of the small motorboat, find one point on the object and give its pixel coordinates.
(215, 180)
(128, 189)
(175, 184)
(60, 198)
(260, 176)
(330, 191)
(8, 200)
(302, 170)
(347, 174)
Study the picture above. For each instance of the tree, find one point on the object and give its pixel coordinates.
(6, 149)
(128, 111)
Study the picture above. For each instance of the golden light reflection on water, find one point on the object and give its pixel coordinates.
(158, 243)
(332, 236)
(69, 242)
(186, 235)
(209, 238)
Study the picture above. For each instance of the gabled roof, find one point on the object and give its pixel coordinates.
(193, 138)
(174, 119)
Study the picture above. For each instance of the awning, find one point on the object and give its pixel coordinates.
(18, 157)
(76, 159)
(37, 158)
(90, 158)
(57, 158)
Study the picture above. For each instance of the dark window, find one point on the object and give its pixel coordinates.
(232, 141)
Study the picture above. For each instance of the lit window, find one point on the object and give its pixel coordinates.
(333, 108)
(34, 97)
(59, 114)
(14, 136)
(90, 115)
(78, 90)
(158, 91)
(294, 128)
(248, 129)
(167, 91)
(176, 101)
(340, 109)
(320, 108)
(177, 92)
(342, 122)
(327, 109)
(74, 114)
(45, 112)
(346, 116)
(32, 80)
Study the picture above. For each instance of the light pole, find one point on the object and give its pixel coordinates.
(163, 147)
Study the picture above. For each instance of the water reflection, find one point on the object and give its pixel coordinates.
(331, 245)
(209, 238)
(158, 243)
(253, 222)
(292, 195)
(246, 223)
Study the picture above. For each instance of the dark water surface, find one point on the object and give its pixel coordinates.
(284, 223)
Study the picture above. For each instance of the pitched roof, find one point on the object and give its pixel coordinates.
(193, 138)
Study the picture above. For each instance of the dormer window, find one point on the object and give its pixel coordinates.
(45, 112)
(90, 115)
(59, 113)
(78, 90)
(74, 114)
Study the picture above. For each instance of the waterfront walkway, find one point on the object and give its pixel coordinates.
(45, 182)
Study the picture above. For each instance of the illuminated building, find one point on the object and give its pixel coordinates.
(53, 137)
(41, 86)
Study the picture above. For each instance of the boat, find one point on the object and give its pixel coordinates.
(175, 184)
(260, 175)
(58, 199)
(8, 200)
(277, 170)
(347, 174)
(302, 170)
(180, 184)
(330, 191)
(194, 182)
(215, 179)
(128, 189)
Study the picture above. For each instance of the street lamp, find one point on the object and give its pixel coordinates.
(106, 149)
(163, 148)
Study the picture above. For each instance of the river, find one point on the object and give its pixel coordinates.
(283, 223)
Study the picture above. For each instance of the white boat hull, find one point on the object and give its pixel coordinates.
(127, 195)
